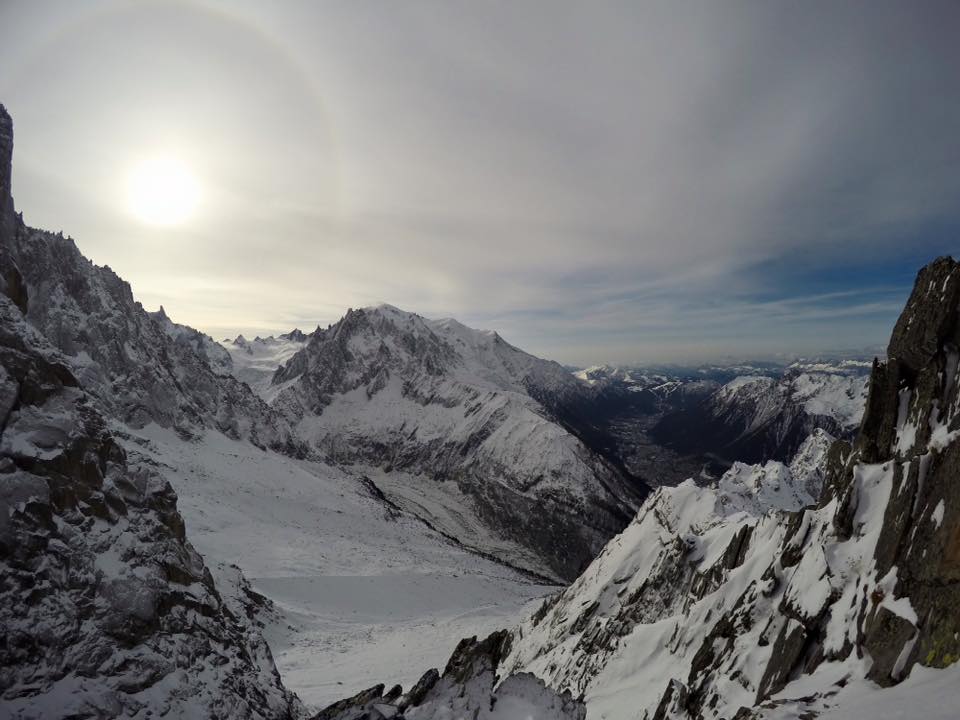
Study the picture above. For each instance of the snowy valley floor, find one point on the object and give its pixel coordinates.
(365, 595)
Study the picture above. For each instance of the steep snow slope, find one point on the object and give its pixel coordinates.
(711, 605)
(460, 411)
(757, 417)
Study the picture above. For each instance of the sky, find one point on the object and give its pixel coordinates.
(599, 182)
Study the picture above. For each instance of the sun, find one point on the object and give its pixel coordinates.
(162, 191)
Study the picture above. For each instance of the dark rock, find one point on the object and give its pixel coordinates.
(930, 317)
(354, 705)
(673, 702)
(886, 636)
(788, 651)
(418, 692)
(471, 657)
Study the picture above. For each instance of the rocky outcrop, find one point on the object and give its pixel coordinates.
(468, 688)
(893, 494)
(910, 427)
(107, 610)
(6, 167)
(11, 280)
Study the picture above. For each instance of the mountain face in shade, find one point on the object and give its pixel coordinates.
(757, 417)
(460, 409)
(746, 599)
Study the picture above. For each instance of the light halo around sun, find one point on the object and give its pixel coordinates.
(162, 190)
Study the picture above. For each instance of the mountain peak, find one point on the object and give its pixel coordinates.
(295, 335)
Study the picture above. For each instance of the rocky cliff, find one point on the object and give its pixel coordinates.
(472, 686)
(106, 608)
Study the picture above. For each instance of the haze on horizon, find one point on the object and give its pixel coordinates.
(617, 182)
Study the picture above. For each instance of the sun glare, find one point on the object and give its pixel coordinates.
(162, 191)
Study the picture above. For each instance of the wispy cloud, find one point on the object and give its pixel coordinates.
(600, 182)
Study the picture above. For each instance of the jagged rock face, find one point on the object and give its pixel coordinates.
(215, 355)
(740, 608)
(106, 608)
(651, 594)
(138, 367)
(468, 688)
(138, 371)
(434, 398)
(758, 418)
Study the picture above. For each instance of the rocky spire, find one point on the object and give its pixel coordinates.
(6, 164)
(11, 280)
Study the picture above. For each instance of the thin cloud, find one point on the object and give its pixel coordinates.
(599, 182)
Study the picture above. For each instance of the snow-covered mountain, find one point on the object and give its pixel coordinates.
(745, 600)
(379, 477)
(461, 428)
(757, 417)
